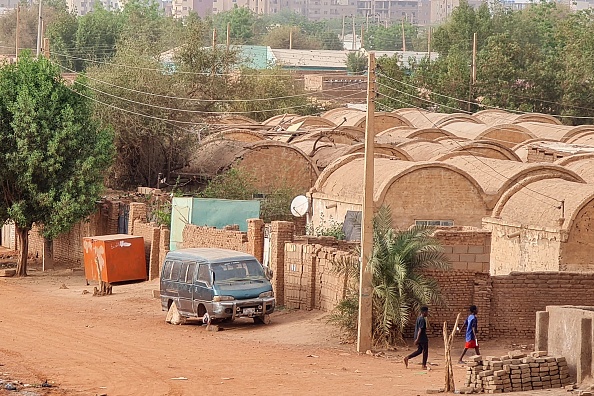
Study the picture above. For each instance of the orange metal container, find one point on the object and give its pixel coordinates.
(114, 258)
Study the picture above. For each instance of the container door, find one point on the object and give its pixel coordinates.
(186, 288)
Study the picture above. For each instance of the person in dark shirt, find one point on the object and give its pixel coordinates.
(421, 339)
(471, 330)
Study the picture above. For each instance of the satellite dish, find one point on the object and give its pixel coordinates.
(299, 206)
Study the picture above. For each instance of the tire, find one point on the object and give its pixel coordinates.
(264, 319)
(173, 316)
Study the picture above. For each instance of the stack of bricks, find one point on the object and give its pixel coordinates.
(515, 372)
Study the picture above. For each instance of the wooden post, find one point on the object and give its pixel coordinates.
(46, 49)
(403, 38)
(367, 21)
(291, 38)
(214, 38)
(16, 37)
(228, 34)
(353, 48)
(450, 385)
(364, 334)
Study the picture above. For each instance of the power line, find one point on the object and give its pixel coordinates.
(211, 100)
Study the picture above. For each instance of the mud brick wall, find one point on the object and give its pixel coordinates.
(466, 248)
(310, 282)
(517, 297)
(163, 246)
(281, 232)
(224, 238)
(460, 290)
(542, 154)
(150, 232)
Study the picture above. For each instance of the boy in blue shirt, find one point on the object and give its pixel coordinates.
(471, 330)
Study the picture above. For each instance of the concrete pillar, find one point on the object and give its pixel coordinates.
(584, 364)
(281, 232)
(48, 254)
(255, 235)
(541, 342)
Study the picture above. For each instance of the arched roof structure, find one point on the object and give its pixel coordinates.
(424, 119)
(521, 149)
(585, 138)
(498, 117)
(414, 133)
(312, 122)
(506, 134)
(497, 176)
(242, 135)
(561, 133)
(581, 164)
(285, 119)
(336, 135)
(420, 190)
(328, 154)
(483, 148)
(550, 203)
(423, 150)
(271, 163)
(356, 118)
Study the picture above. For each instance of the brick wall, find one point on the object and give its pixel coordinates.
(518, 296)
(466, 248)
(151, 233)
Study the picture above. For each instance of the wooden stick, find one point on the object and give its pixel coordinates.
(450, 385)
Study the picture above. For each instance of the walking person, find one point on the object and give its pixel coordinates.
(421, 339)
(471, 330)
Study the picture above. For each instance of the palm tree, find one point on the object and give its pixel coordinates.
(400, 284)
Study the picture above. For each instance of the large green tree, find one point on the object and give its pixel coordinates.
(53, 153)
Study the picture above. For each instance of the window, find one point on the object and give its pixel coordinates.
(237, 271)
(175, 271)
(167, 270)
(203, 274)
(182, 272)
(190, 274)
(435, 223)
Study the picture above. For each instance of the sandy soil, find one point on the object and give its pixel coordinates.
(121, 345)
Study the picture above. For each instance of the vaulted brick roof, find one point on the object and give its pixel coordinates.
(582, 164)
(551, 203)
(497, 117)
(495, 176)
(560, 133)
(424, 119)
(356, 118)
(423, 150)
(412, 133)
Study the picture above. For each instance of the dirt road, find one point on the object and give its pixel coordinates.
(121, 345)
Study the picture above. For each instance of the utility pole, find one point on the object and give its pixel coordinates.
(364, 332)
(474, 59)
(429, 43)
(361, 35)
(291, 38)
(353, 34)
(16, 38)
(228, 34)
(214, 38)
(343, 19)
(472, 71)
(367, 21)
(39, 28)
(403, 38)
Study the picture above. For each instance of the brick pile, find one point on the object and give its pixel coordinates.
(515, 372)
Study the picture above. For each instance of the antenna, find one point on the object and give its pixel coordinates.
(299, 206)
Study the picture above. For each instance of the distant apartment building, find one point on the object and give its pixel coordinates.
(81, 7)
(7, 6)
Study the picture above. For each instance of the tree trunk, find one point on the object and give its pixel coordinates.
(23, 244)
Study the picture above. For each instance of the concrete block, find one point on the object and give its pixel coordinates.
(541, 342)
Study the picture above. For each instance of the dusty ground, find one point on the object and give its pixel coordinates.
(121, 345)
